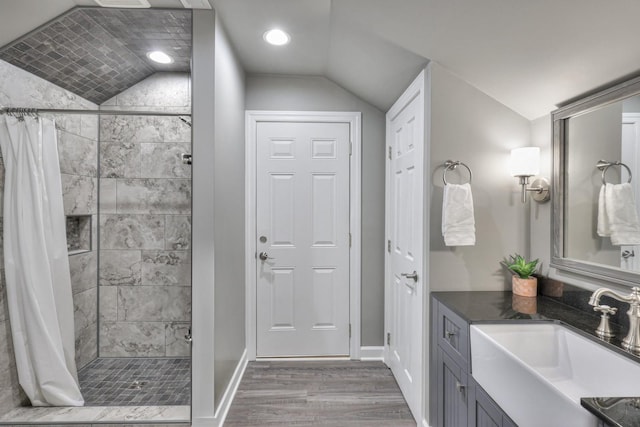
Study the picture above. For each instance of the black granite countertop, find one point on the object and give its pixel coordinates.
(498, 307)
(615, 411)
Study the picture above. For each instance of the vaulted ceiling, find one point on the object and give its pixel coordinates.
(528, 55)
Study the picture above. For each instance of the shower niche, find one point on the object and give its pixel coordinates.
(78, 229)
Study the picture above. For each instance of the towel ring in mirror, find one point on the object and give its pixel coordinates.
(452, 165)
(604, 166)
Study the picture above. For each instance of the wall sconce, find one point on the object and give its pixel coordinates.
(525, 163)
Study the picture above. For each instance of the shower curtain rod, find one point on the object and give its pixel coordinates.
(12, 110)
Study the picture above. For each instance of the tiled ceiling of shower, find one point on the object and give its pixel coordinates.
(97, 53)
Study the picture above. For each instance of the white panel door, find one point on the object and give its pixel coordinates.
(302, 231)
(404, 294)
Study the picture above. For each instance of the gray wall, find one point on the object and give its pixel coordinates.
(145, 222)
(592, 136)
(540, 214)
(228, 219)
(470, 126)
(309, 93)
(77, 146)
(203, 82)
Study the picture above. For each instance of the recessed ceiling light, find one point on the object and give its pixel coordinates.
(276, 37)
(159, 57)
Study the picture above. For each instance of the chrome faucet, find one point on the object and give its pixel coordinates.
(632, 340)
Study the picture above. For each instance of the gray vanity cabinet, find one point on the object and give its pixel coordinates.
(452, 392)
(458, 400)
(483, 411)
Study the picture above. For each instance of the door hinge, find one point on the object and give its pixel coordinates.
(389, 152)
(349, 330)
(349, 239)
(389, 246)
(350, 148)
(388, 338)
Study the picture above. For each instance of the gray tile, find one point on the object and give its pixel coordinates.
(84, 270)
(165, 268)
(10, 392)
(132, 339)
(69, 123)
(119, 159)
(86, 345)
(94, 232)
(108, 303)
(159, 90)
(27, 90)
(154, 303)
(163, 159)
(78, 155)
(107, 195)
(141, 129)
(178, 232)
(141, 381)
(4, 306)
(120, 267)
(79, 194)
(89, 126)
(58, 51)
(132, 232)
(85, 308)
(154, 196)
(176, 345)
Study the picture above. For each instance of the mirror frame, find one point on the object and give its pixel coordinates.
(559, 117)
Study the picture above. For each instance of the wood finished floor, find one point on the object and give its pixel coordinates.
(323, 393)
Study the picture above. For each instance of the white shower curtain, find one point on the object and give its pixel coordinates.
(36, 265)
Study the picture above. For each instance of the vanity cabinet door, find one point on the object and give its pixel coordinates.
(483, 411)
(452, 392)
(453, 335)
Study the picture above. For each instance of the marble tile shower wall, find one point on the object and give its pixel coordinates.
(78, 150)
(77, 146)
(145, 230)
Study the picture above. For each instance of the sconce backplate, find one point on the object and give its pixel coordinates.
(545, 194)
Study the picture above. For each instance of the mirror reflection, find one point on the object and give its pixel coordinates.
(602, 193)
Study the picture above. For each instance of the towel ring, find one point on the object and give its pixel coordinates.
(604, 166)
(452, 165)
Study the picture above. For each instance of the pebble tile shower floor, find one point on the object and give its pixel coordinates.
(136, 382)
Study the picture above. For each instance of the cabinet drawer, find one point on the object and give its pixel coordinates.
(453, 335)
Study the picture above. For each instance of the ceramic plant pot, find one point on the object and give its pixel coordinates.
(525, 287)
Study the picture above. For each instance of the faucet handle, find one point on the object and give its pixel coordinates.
(605, 309)
(604, 329)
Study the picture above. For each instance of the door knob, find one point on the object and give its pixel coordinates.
(413, 276)
(264, 256)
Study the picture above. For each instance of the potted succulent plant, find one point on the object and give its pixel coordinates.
(523, 281)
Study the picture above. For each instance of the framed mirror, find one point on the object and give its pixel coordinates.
(596, 140)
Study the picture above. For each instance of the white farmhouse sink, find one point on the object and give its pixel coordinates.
(537, 372)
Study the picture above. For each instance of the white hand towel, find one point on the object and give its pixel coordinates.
(602, 228)
(622, 215)
(458, 223)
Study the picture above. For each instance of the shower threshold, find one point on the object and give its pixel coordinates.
(98, 414)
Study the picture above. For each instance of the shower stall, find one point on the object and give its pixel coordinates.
(127, 201)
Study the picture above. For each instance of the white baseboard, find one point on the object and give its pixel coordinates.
(372, 353)
(227, 398)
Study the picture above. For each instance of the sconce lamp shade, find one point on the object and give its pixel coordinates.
(525, 161)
